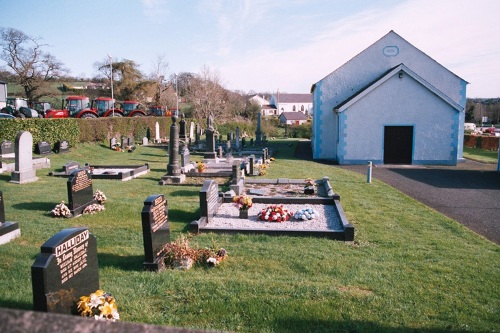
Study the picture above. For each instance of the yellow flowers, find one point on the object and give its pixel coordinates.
(200, 166)
(100, 305)
(242, 202)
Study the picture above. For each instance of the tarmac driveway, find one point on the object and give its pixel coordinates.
(468, 193)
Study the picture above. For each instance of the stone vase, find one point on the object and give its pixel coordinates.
(243, 213)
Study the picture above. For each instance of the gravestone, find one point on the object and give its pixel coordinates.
(8, 230)
(264, 155)
(24, 171)
(155, 231)
(258, 131)
(210, 145)
(69, 167)
(124, 142)
(174, 174)
(237, 142)
(185, 157)
(65, 269)
(7, 147)
(182, 129)
(237, 182)
(209, 199)
(197, 134)
(191, 132)
(251, 142)
(112, 143)
(43, 148)
(61, 147)
(251, 164)
(220, 152)
(145, 141)
(157, 133)
(80, 194)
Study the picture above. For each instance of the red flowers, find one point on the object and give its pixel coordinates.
(275, 214)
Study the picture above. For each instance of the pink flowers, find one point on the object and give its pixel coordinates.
(243, 202)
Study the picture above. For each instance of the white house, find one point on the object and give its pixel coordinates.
(293, 118)
(292, 103)
(266, 109)
(390, 104)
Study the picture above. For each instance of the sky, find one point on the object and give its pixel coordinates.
(262, 45)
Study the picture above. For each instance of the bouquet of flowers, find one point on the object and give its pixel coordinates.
(242, 202)
(61, 210)
(309, 182)
(275, 214)
(200, 166)
(305, 214)
(99, 196)
(94, 208)
(100, 305)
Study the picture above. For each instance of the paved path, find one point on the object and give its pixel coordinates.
(468, 193)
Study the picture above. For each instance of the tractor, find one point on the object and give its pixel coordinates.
(104, 107)
(132, 109)
(74, 107)
(18, 107)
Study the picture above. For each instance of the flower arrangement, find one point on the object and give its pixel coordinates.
(117, 147)
(243, 202)
(94, 208)
(275, 214)
(262, 170)
(100, 305)
(305, 214)
(309, 182)
(180, 255)
(99, 196)
(200, 166)
(61, 210)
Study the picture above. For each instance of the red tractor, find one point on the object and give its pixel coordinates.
(132, 109)
(74, 107)
(105, 107)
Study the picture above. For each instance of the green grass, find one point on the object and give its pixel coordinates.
(481, 155)
(410, 268)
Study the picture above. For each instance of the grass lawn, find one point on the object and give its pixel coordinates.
(410, 268)
(481, 155)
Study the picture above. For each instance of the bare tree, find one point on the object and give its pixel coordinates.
(207, 95)
(34, 68)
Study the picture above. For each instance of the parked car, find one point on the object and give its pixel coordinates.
(6, 116)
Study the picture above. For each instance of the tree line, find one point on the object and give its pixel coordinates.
(36, 71)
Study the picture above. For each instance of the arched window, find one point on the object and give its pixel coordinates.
(302, 108)
(294, 108)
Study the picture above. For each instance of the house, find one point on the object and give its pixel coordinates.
(390, 104)
(266, 109)
(292, 103)
(292, 118)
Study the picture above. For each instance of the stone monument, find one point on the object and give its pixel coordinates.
(258, 132)
(24, 171)
(8, 230)
(155, 231)
(182, 129)
(210, 138)
(174, 174)
(80, 194)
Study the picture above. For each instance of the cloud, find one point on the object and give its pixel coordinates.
(155, 10)
(459, 34)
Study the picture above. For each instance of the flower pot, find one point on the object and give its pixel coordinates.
(243, 213)
(309, 190)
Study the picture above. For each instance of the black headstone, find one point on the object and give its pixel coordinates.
(2, 209)
(80, 194)
(61, 146)
(43, 148)
(7, 147)
(69, 167)
(209, 199)
(65, 270)
(155, 231)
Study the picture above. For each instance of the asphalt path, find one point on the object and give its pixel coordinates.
(468, 193)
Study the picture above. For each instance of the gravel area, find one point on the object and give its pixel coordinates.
(227, 218)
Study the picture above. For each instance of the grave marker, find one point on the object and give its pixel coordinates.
(61, 147)
(43, 148)
(24, 171)
(7, 147)
(112, 143)
(209, 199)
(69, 167)
(65, 269)
(155, 231)
(80, 194)
(8, 230)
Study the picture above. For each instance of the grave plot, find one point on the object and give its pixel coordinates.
(116, 172)
(220, 215)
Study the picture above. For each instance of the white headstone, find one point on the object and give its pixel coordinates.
(145, 141)
(191, 131)
(24, 171)
(157, 134)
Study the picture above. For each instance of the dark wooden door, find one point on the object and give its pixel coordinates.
(398, 144)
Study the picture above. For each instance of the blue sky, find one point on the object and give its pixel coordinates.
(263, 45)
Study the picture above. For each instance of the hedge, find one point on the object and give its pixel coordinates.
(84, 130)
(480, 141)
